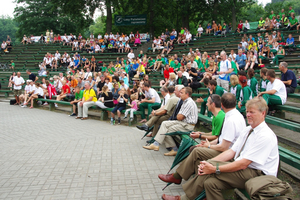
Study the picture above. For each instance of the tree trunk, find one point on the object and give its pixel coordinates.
(151, 18)
(185, 22)
(233, 11)
(109, 16)
(215, 10)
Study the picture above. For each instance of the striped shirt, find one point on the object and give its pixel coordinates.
(190, 111)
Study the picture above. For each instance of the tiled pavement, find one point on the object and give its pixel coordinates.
(48, 155)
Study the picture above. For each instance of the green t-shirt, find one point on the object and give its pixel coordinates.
(236, 90)
(182, 32)
(151, 62)
(281, 13)
(293, 21)
(233, 65)
(217, 122)
(219, 90)
(104, 69)
(261, 23)
(111, 70)
(271, 16)
(174, 66)
(254, 86)
(13, 65)
(291, 11)
(247, 95)
(79, 95)
(162, 60)
(263, 85)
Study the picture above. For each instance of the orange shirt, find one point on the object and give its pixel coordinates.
(73, 83)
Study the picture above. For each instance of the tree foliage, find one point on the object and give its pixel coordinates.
(8, 27)
(36, 16)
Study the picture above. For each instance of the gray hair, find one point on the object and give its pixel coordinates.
(179, 87)
(284, 64)
(164, 89)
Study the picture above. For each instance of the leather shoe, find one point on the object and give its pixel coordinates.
(168, 197)
(169, 178)
(84, 118)
(77, 117)
(144, 127)
(171, 153)
(151, 147)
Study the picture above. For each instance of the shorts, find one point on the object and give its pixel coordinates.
(40, 97)
(118, 108)
(17, 92)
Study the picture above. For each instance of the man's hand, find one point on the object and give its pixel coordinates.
(205, 143)
(206, 168)
(195, 135)
(199, 100)
(81, 103)
(260, 94)
(71, 102)
(143, 100)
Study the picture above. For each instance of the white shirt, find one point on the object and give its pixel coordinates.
(261, 148)
(39, 91)
(125, 87)
(130, 55)
(32, 88)
(131, 35)
(232, 56)
(165, 100)
(279, 86)
(152, 93)
(109, 85)
(194, 65)
(245, 44)
(233, 124)
(200, 30)
(99, 37)
(247, 26)
(111, 36)
(27, 88)
(188, 36)
(225, 65)
(18, 81)
(88, 74)
(126, 38)
(57, 55)
(3, 45)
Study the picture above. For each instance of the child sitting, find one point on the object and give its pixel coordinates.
(133, 107)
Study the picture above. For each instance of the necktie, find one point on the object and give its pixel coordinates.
(164, 101)
(177, 109)
(245, 142)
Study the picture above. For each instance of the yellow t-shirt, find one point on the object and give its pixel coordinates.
(89, 93)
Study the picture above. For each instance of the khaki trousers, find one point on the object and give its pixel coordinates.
(169, 127)
(156, 121)
(189, 166)
(213, 184)
(83, 110)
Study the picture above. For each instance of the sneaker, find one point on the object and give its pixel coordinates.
(112, 122)
(72, 115)
(276, 66)
(55, 105)
(131, 119)
(24, 106)
(45, 104)
(124, 117)
(119, 121)
(271, 62)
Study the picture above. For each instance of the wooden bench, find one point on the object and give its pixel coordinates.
(104, 113)
(6, 92)
(288, 108)
(283, 123)
(295, 96)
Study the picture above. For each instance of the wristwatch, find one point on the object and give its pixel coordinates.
(217, 169)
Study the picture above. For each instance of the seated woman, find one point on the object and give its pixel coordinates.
(235, 87)
(23, 97)
(264, 54)
(38, 93)
(108, 84)
(137, 39)
(87, 63)
(280, 55)
(121, 105)
(245, 95)
(93, 63)
(252, 61)
(169, 82)
(65, 91)
(106, 98)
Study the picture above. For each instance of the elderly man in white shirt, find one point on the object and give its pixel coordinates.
(130, 55)
(255, 153)
(224, 72)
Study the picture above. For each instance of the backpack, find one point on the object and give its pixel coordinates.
(268, 187)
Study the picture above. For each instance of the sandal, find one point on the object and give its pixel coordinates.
(31, 107)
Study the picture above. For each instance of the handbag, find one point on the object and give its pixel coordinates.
(115, 101)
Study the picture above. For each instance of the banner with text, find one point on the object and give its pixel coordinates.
(128, 20)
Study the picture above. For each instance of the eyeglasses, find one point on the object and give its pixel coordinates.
(211, 99)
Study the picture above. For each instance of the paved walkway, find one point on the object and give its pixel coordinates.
(48, 155)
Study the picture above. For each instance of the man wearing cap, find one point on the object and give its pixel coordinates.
(288, 78)
(18, 81)
(250, 154)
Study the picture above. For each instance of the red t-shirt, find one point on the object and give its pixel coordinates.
(167, 72)
(65, 87)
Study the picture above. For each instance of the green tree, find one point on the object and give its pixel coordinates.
(36, 16)
(98, 26)
(8, 27)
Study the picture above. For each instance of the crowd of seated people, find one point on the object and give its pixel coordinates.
(6, 46)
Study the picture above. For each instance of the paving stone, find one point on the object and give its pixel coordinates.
(48, 155)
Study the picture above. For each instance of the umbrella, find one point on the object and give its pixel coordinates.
(178, 133)
(150, 141)
(182, 153)
(150, 129)
(201, 196)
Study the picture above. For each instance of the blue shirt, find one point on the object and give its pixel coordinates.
(125, 79)
(135, 66)
(289, 75)
(241, 59)
(208, 27)
(290, 41)
(252, 39)
(76, 62)
(172, 37)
